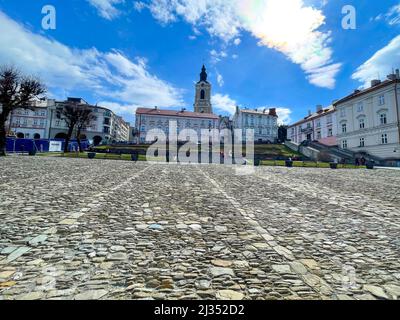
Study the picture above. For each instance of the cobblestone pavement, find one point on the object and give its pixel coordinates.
(97, 229)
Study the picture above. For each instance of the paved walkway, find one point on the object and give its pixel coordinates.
(98, 229)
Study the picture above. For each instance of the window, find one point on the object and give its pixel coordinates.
(309, 125)
(344, 144)
(383, 119)
(43, 113)
(344, 128)
(58, 123)
(35, 122)
(362, 142)
(362, 123)
(319, 124)
(360, 107)
(319, 136)
(329, 119)
(202, 95)
(330, 132)
(384, 138)
(381, 100)
(343, 112)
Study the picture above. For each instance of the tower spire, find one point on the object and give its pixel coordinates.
(203, 74)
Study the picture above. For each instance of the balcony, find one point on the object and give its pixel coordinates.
(307, 130)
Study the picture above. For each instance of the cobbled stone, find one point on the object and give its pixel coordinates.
(80, 229)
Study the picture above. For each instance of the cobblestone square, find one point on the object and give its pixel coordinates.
(99, 229)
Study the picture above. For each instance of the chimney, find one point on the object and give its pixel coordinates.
(375, 82)
(155, 107)
(319, 108)
(272, 112)
(237, 109)
(392, 76)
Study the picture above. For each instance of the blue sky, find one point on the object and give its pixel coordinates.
(288, 54)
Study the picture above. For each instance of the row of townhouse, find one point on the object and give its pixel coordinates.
(263, 122)
(42, 122)
(318, 126)
(366, 122)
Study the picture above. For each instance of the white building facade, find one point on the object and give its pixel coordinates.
(149, 119)
(30, 123)
(369, 120)
(263, 122)
(41, 122)
(106, 126)
(320, 126)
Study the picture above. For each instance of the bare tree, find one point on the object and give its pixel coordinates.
(16, 92)
(76, 116)
(84, 120)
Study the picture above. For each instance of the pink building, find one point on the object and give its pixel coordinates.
(319, 126)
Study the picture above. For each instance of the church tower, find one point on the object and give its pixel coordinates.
(202, 102)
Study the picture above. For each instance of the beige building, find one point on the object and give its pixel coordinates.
(106, 127)
(319, 126)
(148, 119)
(30, 123)
(368, 120)
(264, 123)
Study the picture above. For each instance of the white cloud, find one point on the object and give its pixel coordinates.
(223, 103)
(291, 27)
(392, 17)
(380, 64)
(139, 6)
(284, 115)
(128, 111)
(217, 56)
(220, 79)
(106, 8)
(237, 41)
(107, 75)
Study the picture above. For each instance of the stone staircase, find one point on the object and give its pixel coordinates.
(337, 152)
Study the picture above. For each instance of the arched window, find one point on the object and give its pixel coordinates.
(36, 136)
(202, 95)
(20, 135)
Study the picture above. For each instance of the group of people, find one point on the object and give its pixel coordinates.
(360, 161)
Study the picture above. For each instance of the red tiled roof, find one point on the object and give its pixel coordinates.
(314, 116)
(359, 93)
(175, 113)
